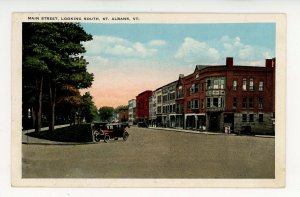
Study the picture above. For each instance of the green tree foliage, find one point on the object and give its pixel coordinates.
(121, 107)
(88, 108)
(52, 59)
(106, 113)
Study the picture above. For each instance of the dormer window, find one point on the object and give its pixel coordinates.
(197, 76)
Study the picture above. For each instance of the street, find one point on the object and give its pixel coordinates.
(150, 153)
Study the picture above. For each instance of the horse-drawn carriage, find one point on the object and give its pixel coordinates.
(107, 131)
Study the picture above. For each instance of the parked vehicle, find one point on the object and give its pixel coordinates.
(107, 131)
(142, 124)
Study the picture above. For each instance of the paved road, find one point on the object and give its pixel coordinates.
(150, 153)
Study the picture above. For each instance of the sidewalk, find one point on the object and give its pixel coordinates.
(205, 132)
(38, 141)
(190, 131)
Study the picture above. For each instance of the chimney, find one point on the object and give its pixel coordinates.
(270, 63)
(181, 75)
(229, 61)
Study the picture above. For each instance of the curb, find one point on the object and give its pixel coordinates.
(209, 133)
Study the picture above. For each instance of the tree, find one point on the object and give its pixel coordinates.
(88, 108)
(51, 54)
(106, 113)
(121, 107)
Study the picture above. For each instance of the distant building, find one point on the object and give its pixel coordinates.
(123, 115)
(158, 96)
(169, 104)
(142, 106)
(131, 111)
(152, 110)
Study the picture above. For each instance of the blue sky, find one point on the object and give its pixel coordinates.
(151, 55)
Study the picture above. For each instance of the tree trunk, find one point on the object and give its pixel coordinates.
(38, 106)
(52, 98)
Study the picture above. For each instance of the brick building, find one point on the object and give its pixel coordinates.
(123, 115)
(142, 106)
(242, 97)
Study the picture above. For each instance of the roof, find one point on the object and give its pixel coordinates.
(166, 85)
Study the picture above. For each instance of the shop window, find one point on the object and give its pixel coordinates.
(244, 118)
(251, 117)
(244, 84)
(260, 117)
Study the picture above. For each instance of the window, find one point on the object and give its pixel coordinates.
(208, 84)
(165, 98)
(159, 109)
(251, 85)
(234, 85)
(202, 87)
(192, 89)
(234, 103)
(260, 103)
(220, 104)
(251, 117)
(172, 96)
(195, 104)
(159, 99)
(196, 87)
(215, 102)
(216, 84)
(202, 103)
(244, 84)
(207, 102)
(222, 82)
(261, 86)
(260, 117)
(251, 104)
(244, 103)
(244, 118)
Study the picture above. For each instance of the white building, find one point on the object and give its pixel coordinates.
(131, 111)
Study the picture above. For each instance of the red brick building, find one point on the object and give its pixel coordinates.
(215, 97)
(142, 106)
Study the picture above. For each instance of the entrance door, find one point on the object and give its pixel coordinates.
(214, 122)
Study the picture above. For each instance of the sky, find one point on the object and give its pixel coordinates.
(127, 59)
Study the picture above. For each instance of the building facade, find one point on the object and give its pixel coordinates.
(239, 97)
(152, 110)
(217, 98)
(131, 111)
(142, 106)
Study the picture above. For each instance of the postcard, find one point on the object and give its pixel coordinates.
(148, 100)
